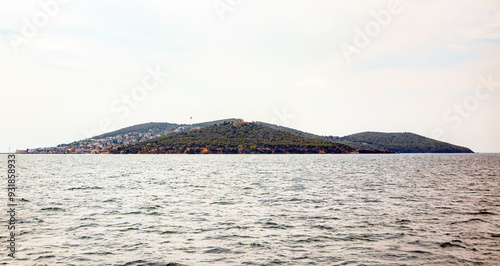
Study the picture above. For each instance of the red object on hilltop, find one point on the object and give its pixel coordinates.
(240, 122)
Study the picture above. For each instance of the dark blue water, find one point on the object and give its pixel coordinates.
(256, 209)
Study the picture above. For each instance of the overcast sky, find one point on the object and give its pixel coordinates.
(70, 69)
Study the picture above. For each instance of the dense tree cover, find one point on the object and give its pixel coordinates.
(217, 122)
(397, 142)
(229, 138)
(382, 142)
(162, 127)
(400, 142)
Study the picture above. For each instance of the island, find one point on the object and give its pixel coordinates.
(236, 136)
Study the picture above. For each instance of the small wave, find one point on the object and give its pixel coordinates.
(136, 212)
(470, 220)
(168, 232)
(218, 251)
(232, 236)
(135, 262)
(371, 200)
(399, 198)
(311, 239)
(38, 253)
(394, 235)
(85, 187)
(222, 203)
(98, 253)
(324, 227)
(319, 217)
(450, 245)
(82, 259)
(270, 224)
(149, 207)
(217, 260)
(305, 257)
(54, 209)
(82, 226)
(45, 257)
(112, 200)
(143, 262)
(421, 252)
(356, 237)
(277, 261)
(481, 212)
(129, 229)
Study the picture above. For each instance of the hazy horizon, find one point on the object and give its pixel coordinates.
(71, 69)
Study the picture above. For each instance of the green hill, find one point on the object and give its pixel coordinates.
(295, 131)
(396, 142)
(366, 142)
(234, 139)
(400, 142)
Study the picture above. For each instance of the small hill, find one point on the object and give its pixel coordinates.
(400, 142)
(141, 128)
(366, 142)
(369, 142)
(229, 138)
(161, 128)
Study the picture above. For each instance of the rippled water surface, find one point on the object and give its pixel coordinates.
(256, 209)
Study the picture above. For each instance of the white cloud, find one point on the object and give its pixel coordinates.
(312, 83)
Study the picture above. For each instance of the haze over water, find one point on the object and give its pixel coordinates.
(257, 209)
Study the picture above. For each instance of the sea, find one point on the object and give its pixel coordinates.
(391, 209)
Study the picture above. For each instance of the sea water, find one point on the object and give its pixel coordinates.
(254, 209)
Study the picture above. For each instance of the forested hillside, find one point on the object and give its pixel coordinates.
(400, 142)
(229, 138)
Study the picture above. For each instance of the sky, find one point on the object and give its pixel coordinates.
(73, 69)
